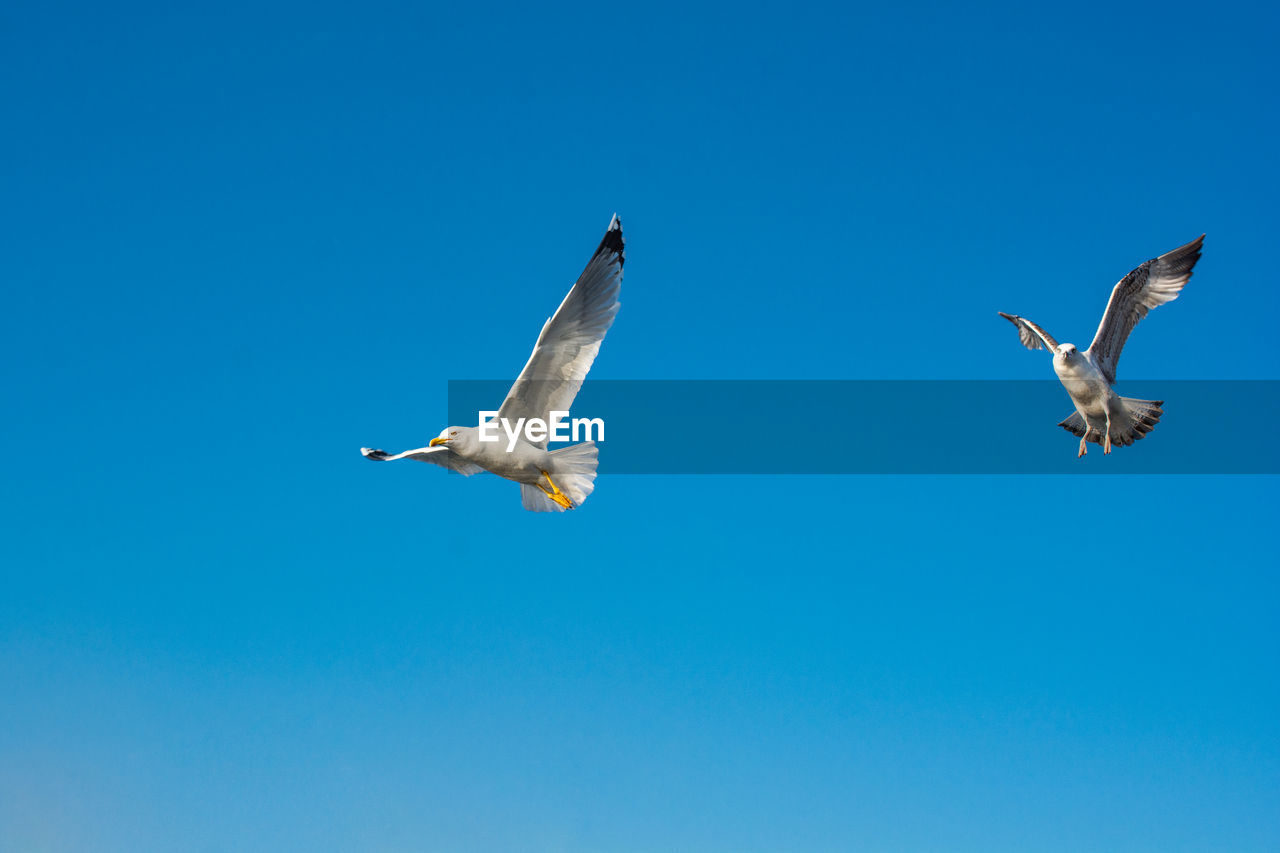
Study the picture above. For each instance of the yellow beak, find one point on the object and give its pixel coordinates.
(433, 442)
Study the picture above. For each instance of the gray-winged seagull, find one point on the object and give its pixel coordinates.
(1102, 416)
(557, 480)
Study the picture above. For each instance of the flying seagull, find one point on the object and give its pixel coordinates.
(557, 480)
(1102, 416)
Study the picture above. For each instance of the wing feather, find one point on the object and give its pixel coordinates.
(1156, 282)
(570, 340)
(438, 455)
(1031, 335)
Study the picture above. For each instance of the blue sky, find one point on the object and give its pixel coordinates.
(241, 241)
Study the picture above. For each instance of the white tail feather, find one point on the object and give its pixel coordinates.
(535, 501)
(573, 469)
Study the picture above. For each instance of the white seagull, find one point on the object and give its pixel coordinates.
(1102, 416)
(557, 480)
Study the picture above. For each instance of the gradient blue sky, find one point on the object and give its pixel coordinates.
(239, 241)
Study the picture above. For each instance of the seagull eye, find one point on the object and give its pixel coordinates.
(455, 432)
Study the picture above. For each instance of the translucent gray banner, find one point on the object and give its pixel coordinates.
(903, 427)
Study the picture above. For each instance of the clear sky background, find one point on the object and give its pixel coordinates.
(239, 241)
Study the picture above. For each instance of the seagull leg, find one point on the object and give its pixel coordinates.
(1083, 449)
(1106, 442)
(554, 492)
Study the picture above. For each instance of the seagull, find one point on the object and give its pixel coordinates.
(556, 480)
(1101, 415)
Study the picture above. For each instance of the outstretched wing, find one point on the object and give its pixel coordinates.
(438, 455)
(1154, 283)
(1030, 334)
(571, 338)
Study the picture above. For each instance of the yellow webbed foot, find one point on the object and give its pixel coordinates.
(563, 500)
(554, 492)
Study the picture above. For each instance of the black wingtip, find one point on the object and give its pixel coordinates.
(1181, 260)
(613, 242)
(1187, 249)
(1010, 317)
(375, 455)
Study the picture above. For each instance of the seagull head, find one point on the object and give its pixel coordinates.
(1068, 351)
(446, 435)
(461, 441)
